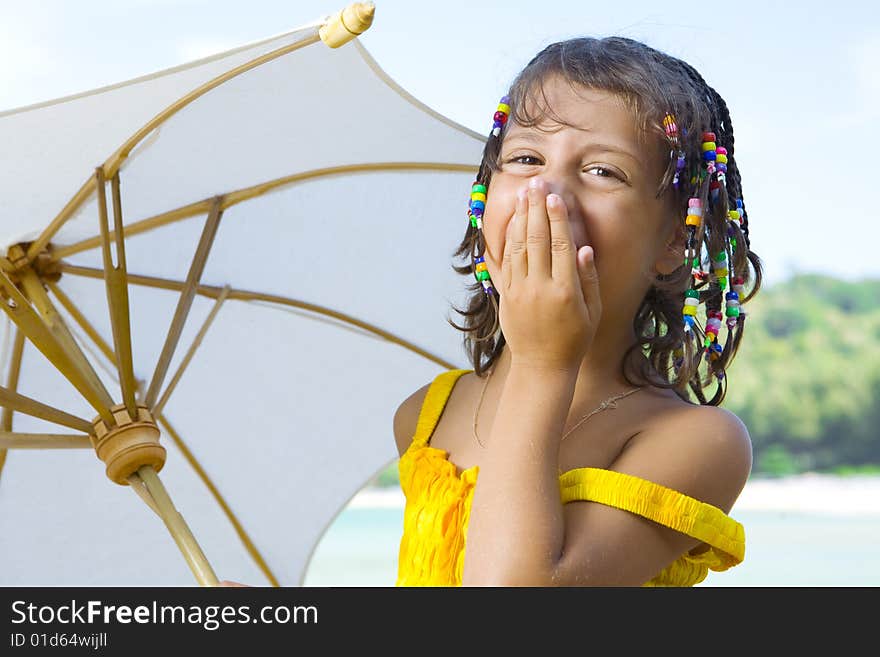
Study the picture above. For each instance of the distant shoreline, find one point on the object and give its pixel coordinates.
(806, 493)
(813, 492)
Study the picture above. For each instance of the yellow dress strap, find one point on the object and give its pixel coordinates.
(434, 403)
(661, 504)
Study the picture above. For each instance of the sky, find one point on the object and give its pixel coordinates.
(800, 80)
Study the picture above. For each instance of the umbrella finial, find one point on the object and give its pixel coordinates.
(345, 25)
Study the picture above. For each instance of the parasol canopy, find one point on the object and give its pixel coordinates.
(219, 282)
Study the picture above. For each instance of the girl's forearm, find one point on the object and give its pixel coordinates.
(516, 531)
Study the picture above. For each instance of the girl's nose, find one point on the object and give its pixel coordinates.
(569, 200)
(553, 185)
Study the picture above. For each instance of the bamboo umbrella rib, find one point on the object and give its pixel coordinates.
(214, 292)
(116, 280)
(14, 401)
(190, 353)
(12, 440)
(114, 162)
(33, 286)
(24, 316)
(67, 211)
(315, 318)
(12, 384)
(218, 496)
(7, 331)
(90, 332)
(80, 319)
(197, 267)
(12, 379)
(246, 193)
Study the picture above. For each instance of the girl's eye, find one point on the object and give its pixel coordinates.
(522, 157)
(610, 173)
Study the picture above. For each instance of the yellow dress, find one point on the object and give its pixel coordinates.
(438, 502)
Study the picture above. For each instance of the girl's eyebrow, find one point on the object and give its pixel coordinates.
(595, 146)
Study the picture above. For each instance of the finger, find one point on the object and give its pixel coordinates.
(562, 254)
(514, 265)
(538, 232)
(504, 283)
(589, 276)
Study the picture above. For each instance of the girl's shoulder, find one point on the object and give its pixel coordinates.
(406, 417)
(452, 392)
(703, 451)
(668, 417)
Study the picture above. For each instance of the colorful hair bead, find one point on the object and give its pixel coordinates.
(733, 216)
(501, 115)
(695, 212)
(691, 302)
(708, 147)
(477, 204)
(721, 162)
(479, 192)
(713, 325)
(713, 352)
(481, 273)
(731, 309)
(693, 220)
(670, 127)
(712, 170)
(719, 268)
(737, 285)
(679, 167)
(672, 133)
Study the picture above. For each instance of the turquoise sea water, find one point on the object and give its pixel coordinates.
(782, 549)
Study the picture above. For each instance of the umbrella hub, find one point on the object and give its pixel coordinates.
(46, 267)
(128, 445)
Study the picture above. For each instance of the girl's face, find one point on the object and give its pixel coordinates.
(607, 179)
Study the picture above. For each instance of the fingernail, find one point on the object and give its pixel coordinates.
(534, 183)
(553, 201)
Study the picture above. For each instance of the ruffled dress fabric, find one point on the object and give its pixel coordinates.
(438, 502)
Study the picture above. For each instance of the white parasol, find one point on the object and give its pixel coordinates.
(221, 279)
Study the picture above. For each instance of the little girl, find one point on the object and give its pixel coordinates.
(608, 207)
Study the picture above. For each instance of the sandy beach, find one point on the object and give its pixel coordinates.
(806, 493)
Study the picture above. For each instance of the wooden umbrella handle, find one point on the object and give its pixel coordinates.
(178, 528)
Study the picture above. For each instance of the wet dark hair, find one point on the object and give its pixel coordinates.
(650, 83)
